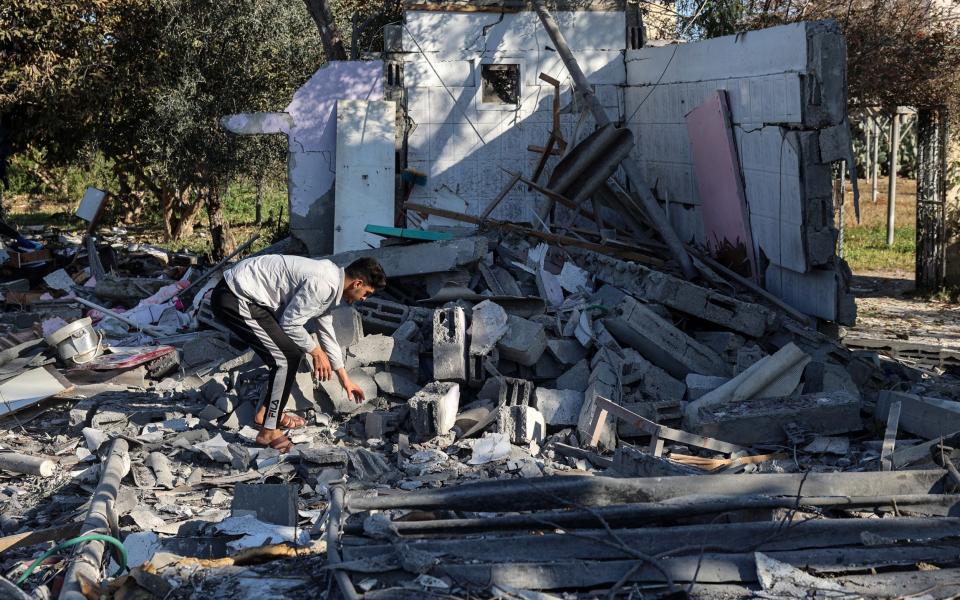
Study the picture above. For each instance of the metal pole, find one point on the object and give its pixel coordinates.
(86, 568)
(334, 520)
(583, 89)
(868, 134)
(892, 186)
(875, 171)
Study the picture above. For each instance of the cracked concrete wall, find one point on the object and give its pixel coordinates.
(460, 141)
(785, 86)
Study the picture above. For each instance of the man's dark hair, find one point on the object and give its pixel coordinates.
(369, 271)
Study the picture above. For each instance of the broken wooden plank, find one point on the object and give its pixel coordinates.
(605, 406)
(39, 536)
(890, 435)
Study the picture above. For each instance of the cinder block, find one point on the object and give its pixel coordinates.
(385, 350)
(396, 383)
(698, 385)
(661, 343)
(339, 402)
(514, 392)
(524, 424)
(524, 342)
(598, 387)
(382, 316)
(433, 410)
(449, 344)
(269, 502)
(566, 351)
(558, 407)
(653, 381)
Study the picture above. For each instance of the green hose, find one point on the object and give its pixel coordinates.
(73, 541)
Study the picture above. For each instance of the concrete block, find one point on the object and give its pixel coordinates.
(385, 350)
(347, 325)
(654, 286)
(598, 386)
(633, 462)
(514, 392)
(660, 342)
(558, 407)
(653, 381)
(762, 420)
(450, 344)
(433, 410)
(662, 412)
(524, 424)
(421, 259)
(566, 351)
(524, 342)
(332, 397)
(409, 331)
(215, 387)
(924, 416)
(548, 367)
(396, 383)
(576, 378)
(698, 385)
(488, 323)
(269, 502)
(378, 315)
(210, 413)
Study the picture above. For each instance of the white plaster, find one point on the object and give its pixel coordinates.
(366, 133)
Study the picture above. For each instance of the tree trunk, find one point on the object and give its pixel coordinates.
(329, 34)
(219, 228)
(180, 210)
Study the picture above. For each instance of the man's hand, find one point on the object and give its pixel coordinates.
(321, 364)
(353, 391)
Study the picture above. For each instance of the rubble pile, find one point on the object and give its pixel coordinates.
(539, 418)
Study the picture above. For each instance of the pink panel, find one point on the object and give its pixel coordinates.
(726, 222)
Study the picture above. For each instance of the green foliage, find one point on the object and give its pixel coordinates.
(143, 84)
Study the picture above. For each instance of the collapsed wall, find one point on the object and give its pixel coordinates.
(786, 88)
(787, 93)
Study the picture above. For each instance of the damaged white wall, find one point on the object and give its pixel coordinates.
(785, 85)
(463, 165)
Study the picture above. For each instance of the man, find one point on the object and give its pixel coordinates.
(267, 301)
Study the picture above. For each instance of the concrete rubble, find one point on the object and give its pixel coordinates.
(547, 415)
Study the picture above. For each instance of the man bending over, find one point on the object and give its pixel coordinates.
(267, 300)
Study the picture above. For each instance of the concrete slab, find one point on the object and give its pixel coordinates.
(924, 416)
(762, 420)
(269, 502)
(385, 350)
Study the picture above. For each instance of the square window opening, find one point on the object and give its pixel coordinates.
(500, 83)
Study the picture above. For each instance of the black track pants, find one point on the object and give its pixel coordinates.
(258, 327)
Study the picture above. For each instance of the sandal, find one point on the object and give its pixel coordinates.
(287, 421)
(282, 443)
